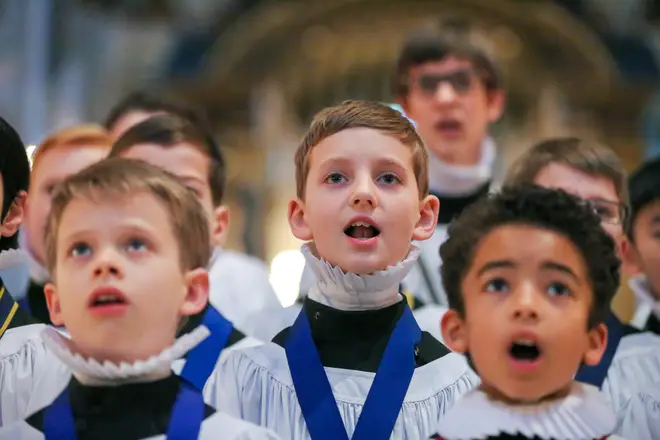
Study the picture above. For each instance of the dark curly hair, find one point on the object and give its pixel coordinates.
(550, 209)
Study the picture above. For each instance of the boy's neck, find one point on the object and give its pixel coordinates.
(456, 180)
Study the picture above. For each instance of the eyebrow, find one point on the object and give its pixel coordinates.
(380, 162)
(84, 234)
(546, 265)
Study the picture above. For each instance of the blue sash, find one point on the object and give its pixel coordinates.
(185, 421)
(385, 397)
(201, 360)
(595, 374)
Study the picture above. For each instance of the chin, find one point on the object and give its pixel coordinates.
(363, 267)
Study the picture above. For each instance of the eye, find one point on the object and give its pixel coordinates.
(496, 285)
(335, 178)
(558, 289)
(80, 249)
(389, 178)
(136, 245)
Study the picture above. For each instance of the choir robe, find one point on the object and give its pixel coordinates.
(640, 417)
(584, 414)
(27, 366)
(255, 384)
(118, 402)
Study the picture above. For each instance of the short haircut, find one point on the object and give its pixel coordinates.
(430, 45)
(364, 114)
(644, 187)
(142, 101)
(120, 178)
(75, 136)
(168, 130)
(532, 205)
(14, 172)
(586, 156)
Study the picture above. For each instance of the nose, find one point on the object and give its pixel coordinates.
(445, 93)
(107, 264)
(364, 194)
(526, 304)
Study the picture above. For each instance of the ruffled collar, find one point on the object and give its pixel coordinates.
(351, 292)
(647, 304)
(95, 373)
(38, 273)
(458, 180)
(584, 414)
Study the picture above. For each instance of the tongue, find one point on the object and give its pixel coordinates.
(363, 232)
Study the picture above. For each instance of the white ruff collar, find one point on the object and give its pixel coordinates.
(458, 180)
(93, 372)
(15, 271)
(349, 291)
(582, 415)
(38, 273)
(647, 304)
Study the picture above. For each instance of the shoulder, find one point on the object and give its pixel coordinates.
(233, 429)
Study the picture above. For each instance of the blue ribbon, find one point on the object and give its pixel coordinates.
(201, 360)
(185, 421)
(385, 397)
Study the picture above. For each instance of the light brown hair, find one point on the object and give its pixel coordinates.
(364, 114)
(123, 178)
(586, 156)
(83, 135)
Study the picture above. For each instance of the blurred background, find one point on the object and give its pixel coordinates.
(261, 68)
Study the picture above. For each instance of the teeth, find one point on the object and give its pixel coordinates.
(361, 224)
(526, 342)
(104, 298)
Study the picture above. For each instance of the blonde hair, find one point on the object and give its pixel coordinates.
(365, 114)
(83, 135)
(587, 156)
(123, 178)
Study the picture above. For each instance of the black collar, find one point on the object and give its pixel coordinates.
(357, 340)
(452, 206)
(131, 411)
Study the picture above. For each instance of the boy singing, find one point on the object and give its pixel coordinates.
(355, 364)
(125, 277)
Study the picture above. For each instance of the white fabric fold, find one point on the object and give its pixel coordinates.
(351, 292)
(459, 180)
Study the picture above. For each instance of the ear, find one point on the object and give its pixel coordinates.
(197, 292)
(220, 230)
(429, 208)
(630, 258)
(297, 222)
(597, 340)
(453, 331)
(53, 303)
(15, 215)
(496, 101)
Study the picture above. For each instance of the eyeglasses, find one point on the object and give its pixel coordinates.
(461, 81)
(610, 212)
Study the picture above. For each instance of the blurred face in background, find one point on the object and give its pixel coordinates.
(53, 166)
(452, 108)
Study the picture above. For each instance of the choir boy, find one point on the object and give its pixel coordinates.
(355, 363)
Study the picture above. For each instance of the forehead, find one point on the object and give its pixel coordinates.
(141, 209)
(528, 245)
(573, 181)
(59, 163)
(447, 65)
(184, 160)
(361, 145)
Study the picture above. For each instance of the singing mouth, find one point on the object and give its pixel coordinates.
(524, 350)
(361, 231)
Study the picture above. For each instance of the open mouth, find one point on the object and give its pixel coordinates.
(361, 231)
(107, 299)
(524, 350)
(449, 126)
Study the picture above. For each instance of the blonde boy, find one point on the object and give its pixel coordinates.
(355, 364)
(124, 276)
